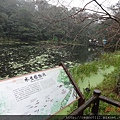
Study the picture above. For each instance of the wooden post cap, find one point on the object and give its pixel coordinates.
(97, 92)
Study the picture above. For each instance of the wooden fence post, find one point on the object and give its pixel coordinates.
(96, 103)
(80, 102)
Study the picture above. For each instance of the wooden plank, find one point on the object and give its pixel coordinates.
(85, 105)
(72, 81)
(108, 100)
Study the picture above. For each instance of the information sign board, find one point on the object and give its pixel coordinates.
(40, 93)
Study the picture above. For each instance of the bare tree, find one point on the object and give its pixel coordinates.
(112, 19)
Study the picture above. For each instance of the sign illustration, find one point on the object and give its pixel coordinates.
(41, 93)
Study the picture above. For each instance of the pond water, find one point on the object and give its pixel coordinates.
(94, 79)
(20, 59)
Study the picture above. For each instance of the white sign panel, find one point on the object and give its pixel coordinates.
(41, 93)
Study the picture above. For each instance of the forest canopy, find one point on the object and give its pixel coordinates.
(37, 20)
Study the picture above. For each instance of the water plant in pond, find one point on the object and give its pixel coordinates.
(16, 59)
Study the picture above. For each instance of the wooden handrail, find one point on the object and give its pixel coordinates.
(95, 100)
(85, 105)
(95, 96)
(108, 100)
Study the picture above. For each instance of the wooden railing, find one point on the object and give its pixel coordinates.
(95, 101)
(82, 105)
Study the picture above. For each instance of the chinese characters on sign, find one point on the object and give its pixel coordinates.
(35, 77)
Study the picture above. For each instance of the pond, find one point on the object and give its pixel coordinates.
(17, 59)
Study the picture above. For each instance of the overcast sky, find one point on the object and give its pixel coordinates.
(81, 3)
(106, 4)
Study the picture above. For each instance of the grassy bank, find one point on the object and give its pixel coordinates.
(110, 86)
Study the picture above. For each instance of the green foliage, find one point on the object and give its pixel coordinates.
(81, 71)
(108, 89)
(31, 21)
(105, 61)
(109, 85)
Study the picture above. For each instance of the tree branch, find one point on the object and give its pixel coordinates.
(106, 12)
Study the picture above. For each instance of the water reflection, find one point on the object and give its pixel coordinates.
(21, 59)
(96, 49)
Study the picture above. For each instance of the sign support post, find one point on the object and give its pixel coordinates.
(82, 99)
